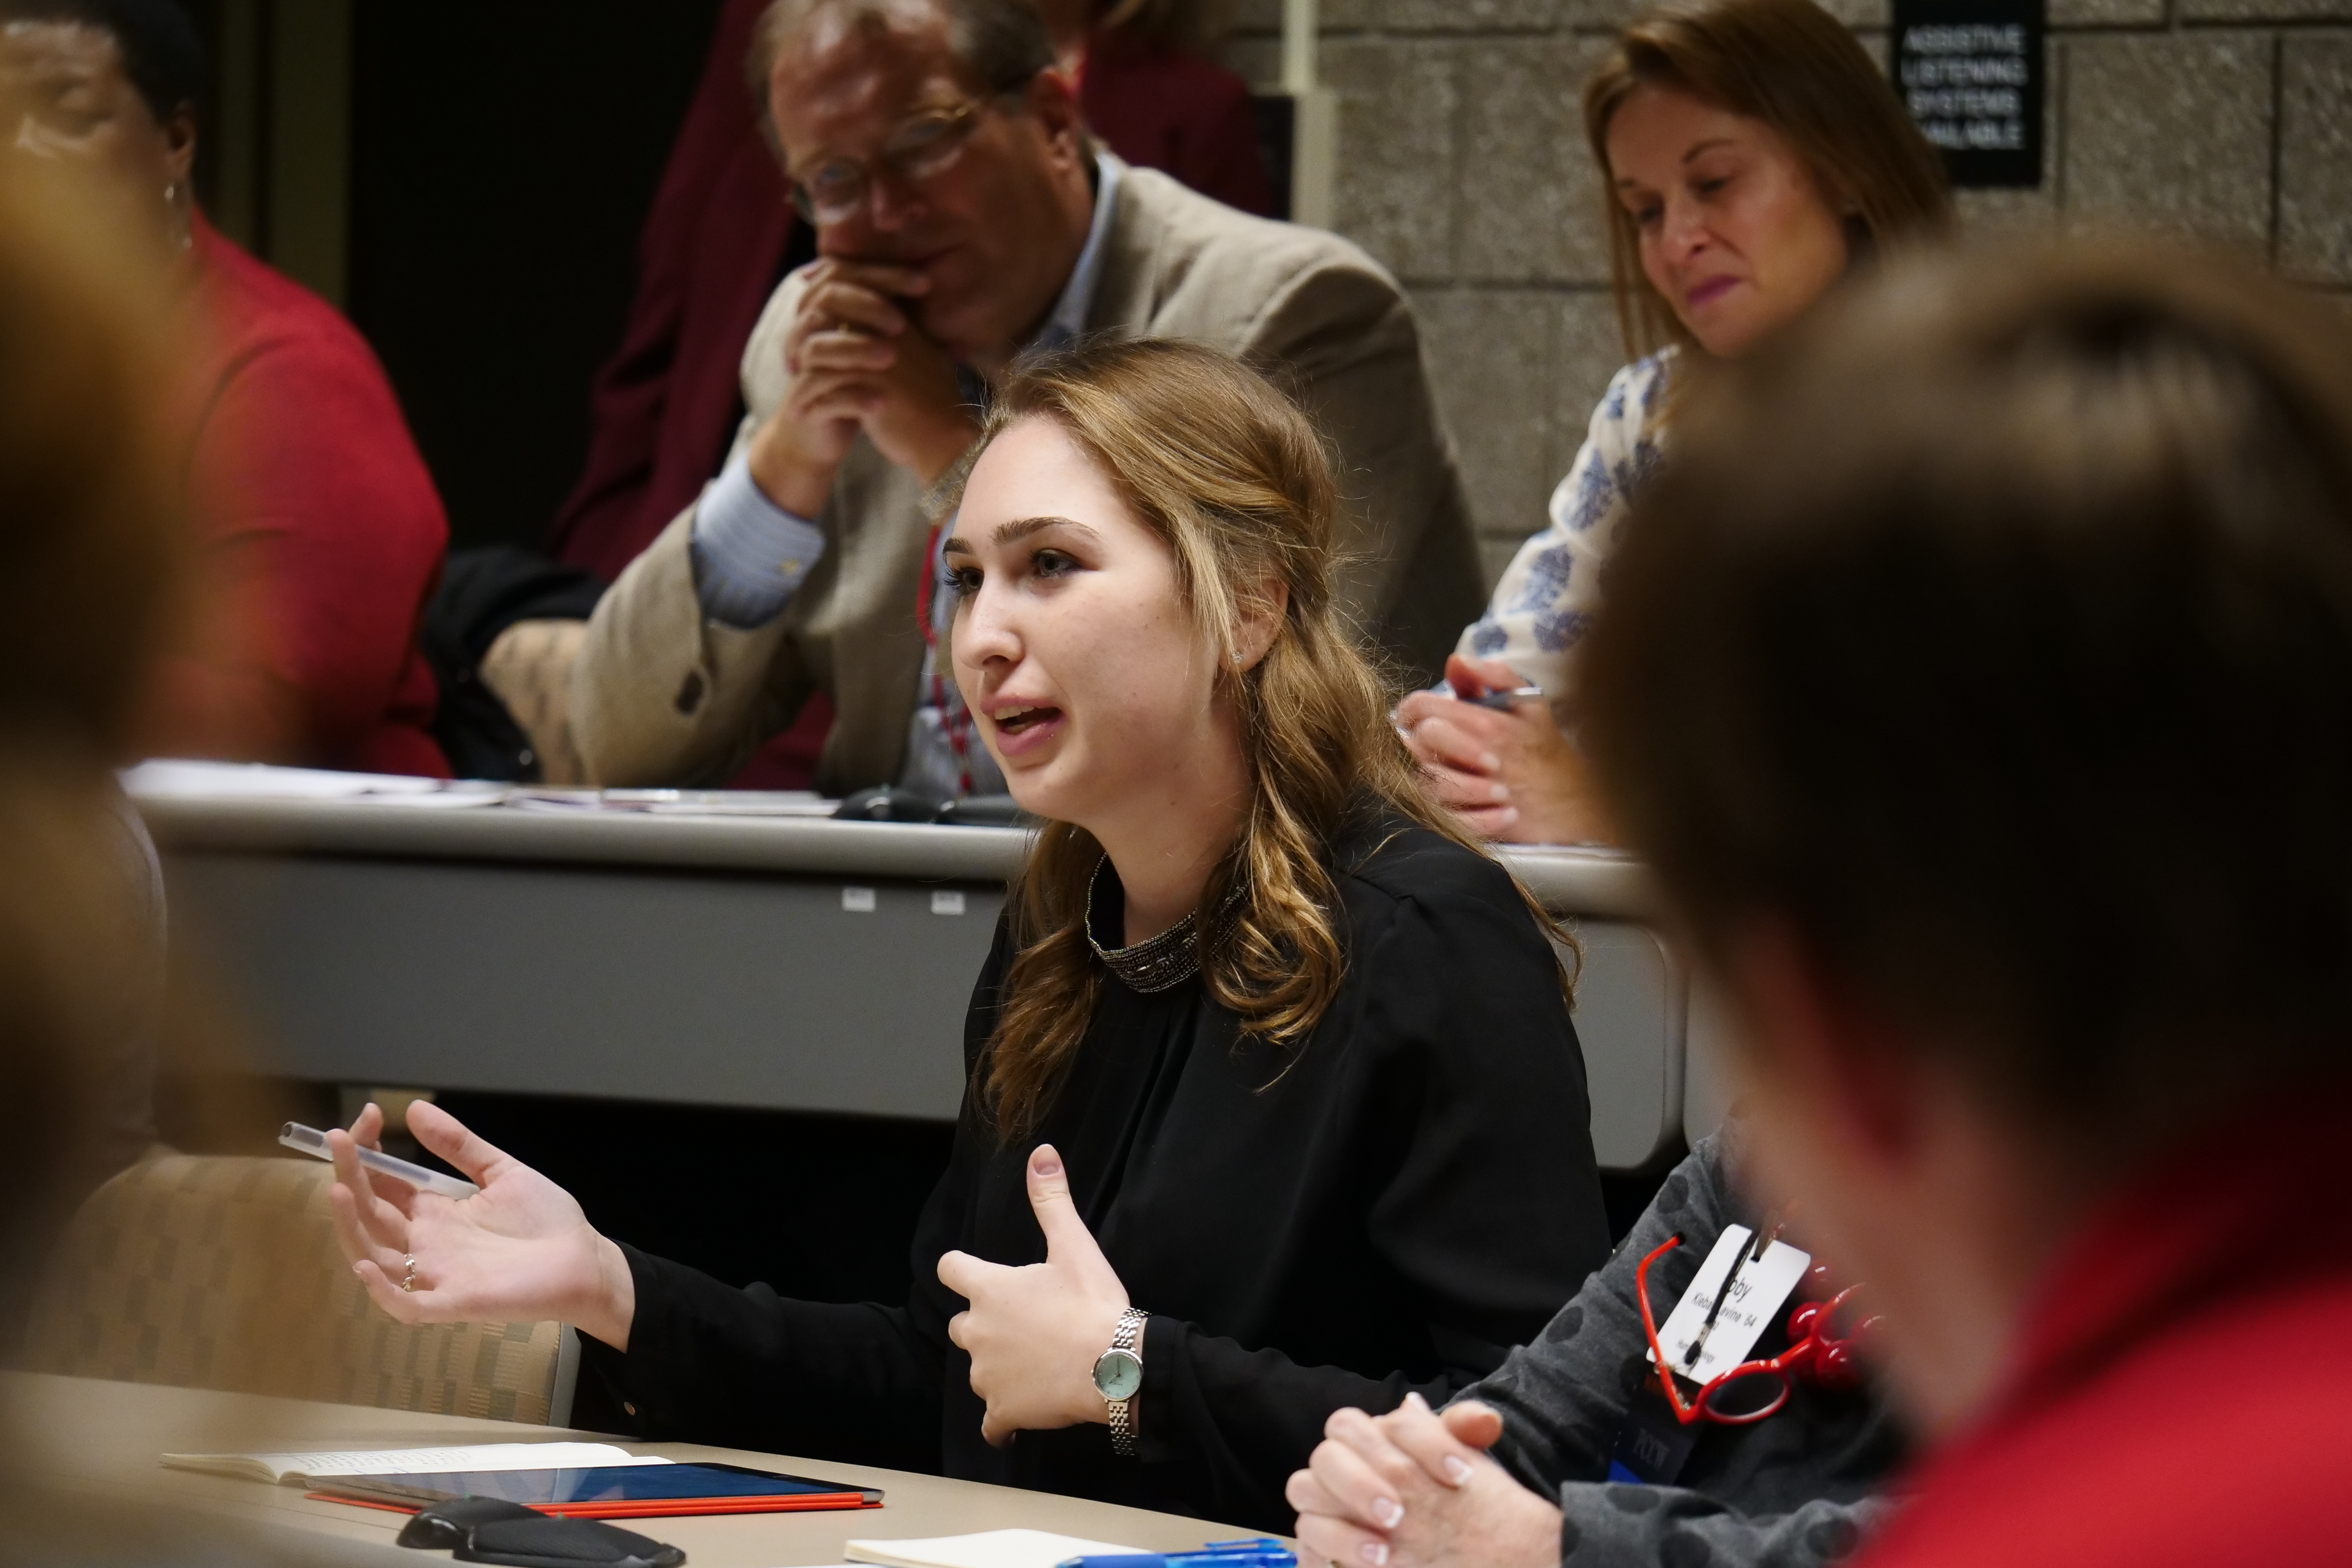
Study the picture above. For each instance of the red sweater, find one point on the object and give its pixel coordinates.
(2183, 1390)
(320, 536)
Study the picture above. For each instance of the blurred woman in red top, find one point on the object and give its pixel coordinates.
(320, 532)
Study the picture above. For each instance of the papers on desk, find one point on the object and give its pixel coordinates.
(680, 801)
(301, 1469)
(167, 779)
(988, 1549)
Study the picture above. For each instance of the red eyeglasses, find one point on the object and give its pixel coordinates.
(1756, 1389)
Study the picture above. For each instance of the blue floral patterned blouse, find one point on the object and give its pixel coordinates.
(1546, 600)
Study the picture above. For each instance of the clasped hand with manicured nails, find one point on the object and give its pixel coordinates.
(1034, 1333)
(518, 1251)
(1415, 1489)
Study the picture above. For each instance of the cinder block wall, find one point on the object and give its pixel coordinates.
(1463, 168)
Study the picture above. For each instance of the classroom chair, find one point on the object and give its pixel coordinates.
(212, 1272)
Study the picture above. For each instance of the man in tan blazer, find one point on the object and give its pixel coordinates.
(963, 217)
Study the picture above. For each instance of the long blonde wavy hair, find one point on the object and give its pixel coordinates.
(1235, 480)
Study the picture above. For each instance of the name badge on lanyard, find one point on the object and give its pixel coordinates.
(1724, 1324)
(1736, 1292)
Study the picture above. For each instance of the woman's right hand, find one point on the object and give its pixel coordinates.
(518, 1251)
(1508, 773)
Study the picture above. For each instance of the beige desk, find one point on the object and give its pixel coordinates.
(102, 1439)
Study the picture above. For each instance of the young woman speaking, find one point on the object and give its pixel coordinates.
(1273, 1106)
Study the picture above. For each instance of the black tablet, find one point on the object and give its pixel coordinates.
(609, 1491)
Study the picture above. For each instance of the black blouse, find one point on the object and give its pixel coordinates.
(1385, 1209)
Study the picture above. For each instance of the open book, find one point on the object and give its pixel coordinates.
(988, 1549)
(301, 1469)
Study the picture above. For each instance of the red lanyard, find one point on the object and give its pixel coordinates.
(955, 718)
(1758, 1388)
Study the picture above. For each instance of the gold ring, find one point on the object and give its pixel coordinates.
(408, 1280)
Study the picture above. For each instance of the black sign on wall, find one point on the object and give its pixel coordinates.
(1972, 74)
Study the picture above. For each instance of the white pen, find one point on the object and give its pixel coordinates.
(310, 1140)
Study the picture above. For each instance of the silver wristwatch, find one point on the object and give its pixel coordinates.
(1118, 1378)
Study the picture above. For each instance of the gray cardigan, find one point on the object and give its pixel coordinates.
(1792, 1491)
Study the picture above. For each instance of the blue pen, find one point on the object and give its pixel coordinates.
(1264, 1551)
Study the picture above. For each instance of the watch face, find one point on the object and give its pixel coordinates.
(1119, 1374)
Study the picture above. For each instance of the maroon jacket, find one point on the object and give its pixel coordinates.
(1163, 109)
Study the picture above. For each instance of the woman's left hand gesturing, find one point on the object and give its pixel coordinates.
(1034, 1333)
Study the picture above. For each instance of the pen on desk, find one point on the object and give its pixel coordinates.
(1261, 1552)
(310, 1140)
(1505, 699)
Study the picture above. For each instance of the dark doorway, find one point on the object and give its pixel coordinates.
(504, 153)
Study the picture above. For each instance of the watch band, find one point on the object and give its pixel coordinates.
(1129, 1337)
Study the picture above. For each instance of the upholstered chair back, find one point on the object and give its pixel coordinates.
(214, 1272)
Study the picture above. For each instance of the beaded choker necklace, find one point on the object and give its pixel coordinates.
(1164, 961)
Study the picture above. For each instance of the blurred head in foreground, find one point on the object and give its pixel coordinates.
(2005, 619)
(89, 570)
(87, 542)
